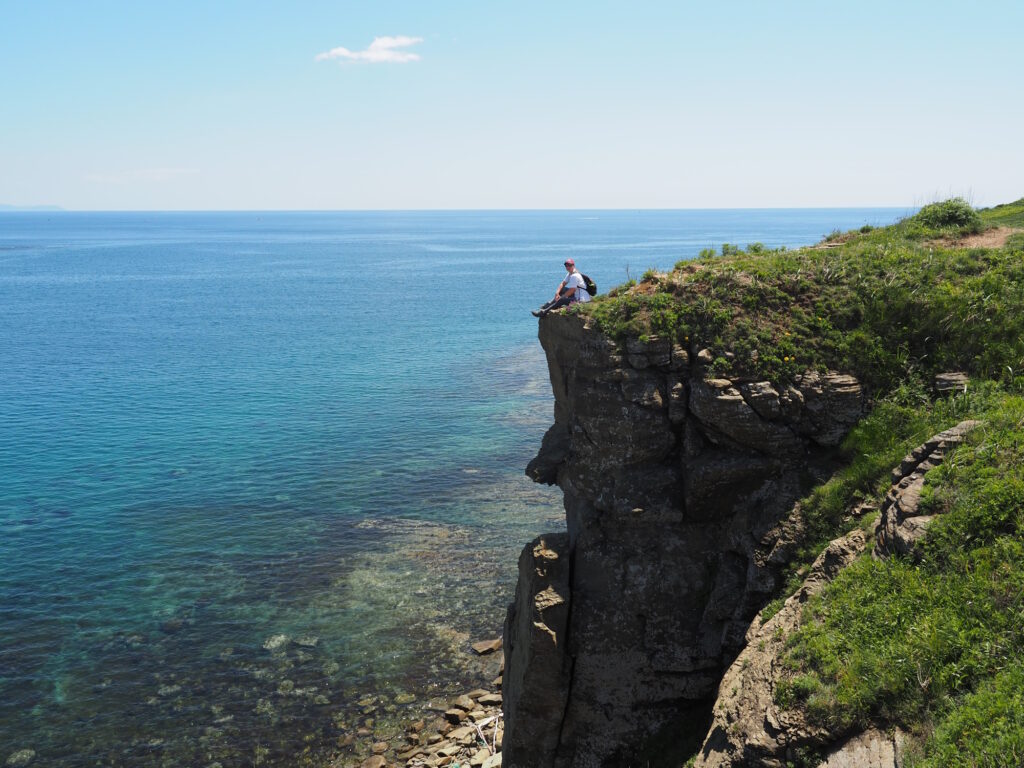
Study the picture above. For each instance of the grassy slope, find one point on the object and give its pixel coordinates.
(1008, 215)
(884, 304)
(935, 646)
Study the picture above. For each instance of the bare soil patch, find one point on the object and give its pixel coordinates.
(990, 238)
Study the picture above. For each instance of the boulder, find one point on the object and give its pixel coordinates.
(20, 758)
(833, 403)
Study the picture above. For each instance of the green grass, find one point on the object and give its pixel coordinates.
(987, 730)
(937, 643)
(1007, 215)
(886, 305)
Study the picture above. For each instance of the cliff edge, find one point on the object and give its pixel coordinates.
(695, 416)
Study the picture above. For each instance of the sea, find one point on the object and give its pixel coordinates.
(261, 474)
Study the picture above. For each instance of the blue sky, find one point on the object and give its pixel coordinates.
(237, 105)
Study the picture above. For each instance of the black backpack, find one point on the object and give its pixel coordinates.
(589, 284)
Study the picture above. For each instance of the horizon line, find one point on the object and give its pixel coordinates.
(57, 209)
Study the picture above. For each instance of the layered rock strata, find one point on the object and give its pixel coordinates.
(677, 489)
(901, 525)
(748, 727)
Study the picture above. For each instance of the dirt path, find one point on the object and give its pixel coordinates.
(990, 238)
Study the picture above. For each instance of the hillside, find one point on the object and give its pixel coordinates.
(715, 427)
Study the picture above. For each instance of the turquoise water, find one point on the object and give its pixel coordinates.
(218, 430)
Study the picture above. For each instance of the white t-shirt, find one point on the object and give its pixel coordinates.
(575, 280)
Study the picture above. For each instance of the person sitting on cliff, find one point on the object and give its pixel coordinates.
(570, 290)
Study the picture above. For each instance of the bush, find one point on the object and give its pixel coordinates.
(956, 213)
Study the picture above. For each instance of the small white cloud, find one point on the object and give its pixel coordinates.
(382, 49)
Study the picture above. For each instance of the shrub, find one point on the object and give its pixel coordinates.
(955, 213)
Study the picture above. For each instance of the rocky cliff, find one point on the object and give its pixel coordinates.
(687, 472)
(678, 491)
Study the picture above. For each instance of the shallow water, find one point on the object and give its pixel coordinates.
(220, 429)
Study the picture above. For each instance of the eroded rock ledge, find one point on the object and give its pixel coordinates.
(748, 727)
(677, 489)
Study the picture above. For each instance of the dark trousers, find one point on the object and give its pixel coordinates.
(561, 301)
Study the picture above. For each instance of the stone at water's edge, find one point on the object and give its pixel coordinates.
(487, 646)
(677, 490)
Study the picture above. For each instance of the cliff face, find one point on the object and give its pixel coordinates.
(678, 490)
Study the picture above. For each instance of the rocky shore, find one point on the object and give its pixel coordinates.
(293, 696)
(463, 731)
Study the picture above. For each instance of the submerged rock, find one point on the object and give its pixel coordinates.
(275, 642)
(21, 757)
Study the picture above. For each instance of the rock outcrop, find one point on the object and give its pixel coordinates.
(901, 524)
(678, 488)
(748, 727)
